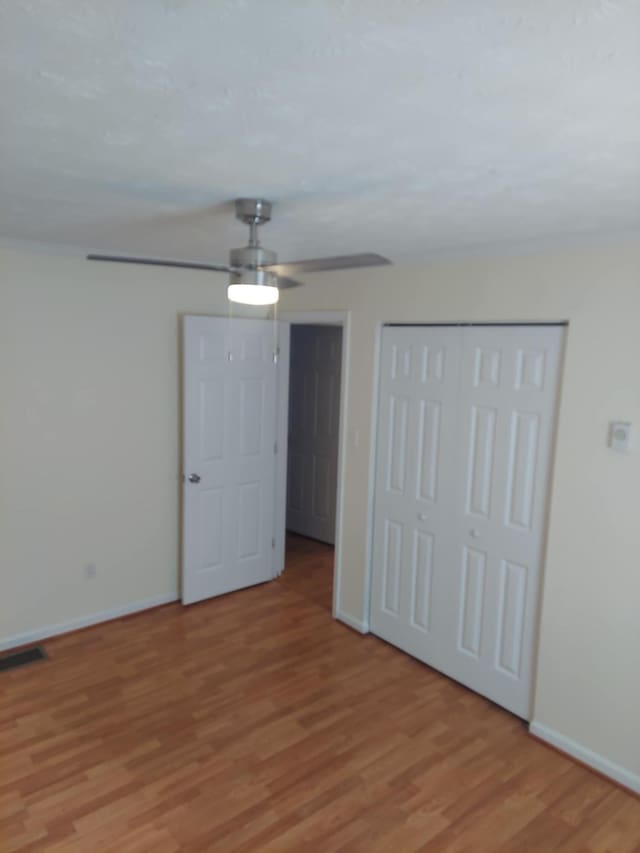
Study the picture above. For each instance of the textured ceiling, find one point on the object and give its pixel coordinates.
(399, 126)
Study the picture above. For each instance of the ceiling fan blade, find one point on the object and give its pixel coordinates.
(284, 282)
(339, 262)
(159, 262)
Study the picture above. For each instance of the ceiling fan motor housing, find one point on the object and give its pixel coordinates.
(250, 258)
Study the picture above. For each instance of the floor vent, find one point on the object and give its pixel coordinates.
(22, 658)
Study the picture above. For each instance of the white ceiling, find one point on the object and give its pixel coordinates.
(398, 126)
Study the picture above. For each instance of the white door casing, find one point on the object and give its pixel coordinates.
(229, 430)
(478, 538)
(314, 419)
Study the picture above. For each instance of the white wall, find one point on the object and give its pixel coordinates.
(89, 448)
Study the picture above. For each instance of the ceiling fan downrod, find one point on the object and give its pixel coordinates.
(253, 212)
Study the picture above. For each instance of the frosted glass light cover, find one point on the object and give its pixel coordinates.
(253, 294)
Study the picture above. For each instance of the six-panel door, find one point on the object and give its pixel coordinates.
(229, 442)
(314, 415)
(456, 566)
(413, 487)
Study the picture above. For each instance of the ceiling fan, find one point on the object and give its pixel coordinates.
(256, 277)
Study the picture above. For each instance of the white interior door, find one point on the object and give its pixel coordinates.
(230, 459)
(314, 415)
(456, 579)
(414, 489)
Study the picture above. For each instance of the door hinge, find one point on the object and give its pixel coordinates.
(276, 355)
(273, 542)
(229, 356)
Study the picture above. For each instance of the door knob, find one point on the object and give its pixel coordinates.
(194, 478)
(422, 516)
(474, 534)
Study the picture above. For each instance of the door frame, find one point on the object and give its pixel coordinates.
(323, 318)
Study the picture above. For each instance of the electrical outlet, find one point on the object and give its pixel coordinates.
(90, 571)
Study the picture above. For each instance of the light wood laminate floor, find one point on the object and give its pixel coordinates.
(256, 722)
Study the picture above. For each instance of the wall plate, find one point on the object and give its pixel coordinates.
(620, 436)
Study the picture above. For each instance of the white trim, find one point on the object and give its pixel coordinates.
(315, 318)
(356, 624)
(373, 453)
(85, 621)
(336, 318)
(282, 434)
(586, 756)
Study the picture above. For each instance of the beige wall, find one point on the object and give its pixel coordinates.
(588, 685)
(89, 434)
(89, 447)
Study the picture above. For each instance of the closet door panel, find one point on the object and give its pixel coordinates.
(413, 492)
(507, 404)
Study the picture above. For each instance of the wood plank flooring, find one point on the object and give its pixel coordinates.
(256, 722)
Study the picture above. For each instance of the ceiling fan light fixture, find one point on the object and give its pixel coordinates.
(253, 294)
(253, 286)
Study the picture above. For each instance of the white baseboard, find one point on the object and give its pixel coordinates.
(356, 624)
(586, 756)
(84, 621)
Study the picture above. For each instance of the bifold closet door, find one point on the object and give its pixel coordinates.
(480, 547)
(414, 490)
